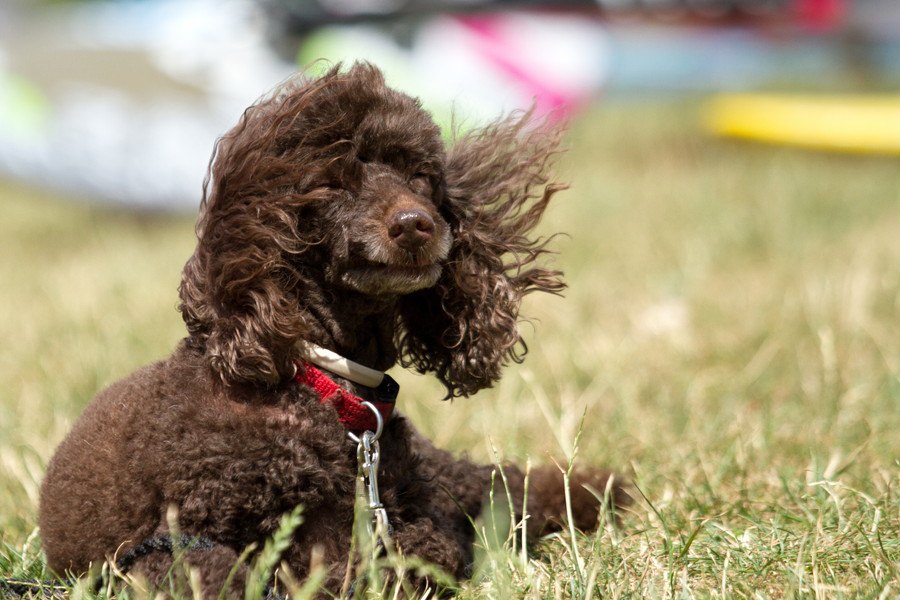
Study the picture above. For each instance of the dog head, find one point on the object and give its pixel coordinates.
(340, 185)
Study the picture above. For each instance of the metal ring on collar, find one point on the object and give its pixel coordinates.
(378, 418)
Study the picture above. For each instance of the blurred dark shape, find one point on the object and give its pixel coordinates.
(302, 16)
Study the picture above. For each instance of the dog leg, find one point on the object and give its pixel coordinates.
(209, 561)
(467, 486)
(546, 503)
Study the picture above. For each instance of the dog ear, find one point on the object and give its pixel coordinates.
(238, 299)
(238, 290)
(465, 328)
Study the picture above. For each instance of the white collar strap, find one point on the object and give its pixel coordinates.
(337, 364)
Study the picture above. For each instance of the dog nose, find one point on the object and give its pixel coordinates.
(410, 229)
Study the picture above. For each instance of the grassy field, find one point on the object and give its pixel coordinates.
(729, 340)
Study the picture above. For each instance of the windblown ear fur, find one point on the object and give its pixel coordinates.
(465, 329)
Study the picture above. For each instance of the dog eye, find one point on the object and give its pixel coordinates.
(421, 183)
(425, 177)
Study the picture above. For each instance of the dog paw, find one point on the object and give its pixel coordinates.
(589, 489)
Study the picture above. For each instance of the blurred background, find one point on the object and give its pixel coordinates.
(729, 335)
(121, 101)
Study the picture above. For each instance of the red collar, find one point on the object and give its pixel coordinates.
(352, 413)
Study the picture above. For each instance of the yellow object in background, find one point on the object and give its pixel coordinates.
(863, 124)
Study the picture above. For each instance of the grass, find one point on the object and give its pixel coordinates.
(729, 340)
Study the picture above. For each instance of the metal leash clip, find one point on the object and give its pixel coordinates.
(368, 456)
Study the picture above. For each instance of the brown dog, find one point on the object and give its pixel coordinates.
(333, 218)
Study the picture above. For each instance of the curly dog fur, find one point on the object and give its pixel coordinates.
(333, 214)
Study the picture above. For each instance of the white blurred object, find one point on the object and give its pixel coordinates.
(668, 318)
(482, 66)
(123, 102)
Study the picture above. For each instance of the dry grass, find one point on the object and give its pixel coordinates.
(729, 339)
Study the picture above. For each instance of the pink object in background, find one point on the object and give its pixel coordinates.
(513, 50)
(502, 47)
(821, 15)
